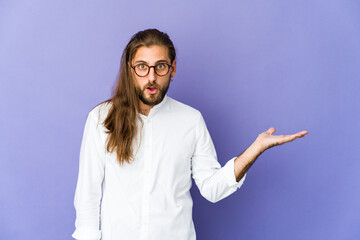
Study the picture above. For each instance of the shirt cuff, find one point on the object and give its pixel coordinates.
(87, 234)
(230, 174)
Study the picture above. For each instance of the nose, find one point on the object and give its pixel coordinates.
(152, 75)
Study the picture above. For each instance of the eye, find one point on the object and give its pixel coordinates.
(160, 66)
(142, 66)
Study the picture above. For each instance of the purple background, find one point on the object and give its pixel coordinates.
(246, 65)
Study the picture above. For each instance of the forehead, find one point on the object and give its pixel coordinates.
(151, 54)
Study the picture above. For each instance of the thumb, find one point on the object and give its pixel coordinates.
(271, 130)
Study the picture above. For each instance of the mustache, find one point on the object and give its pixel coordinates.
(152, 85)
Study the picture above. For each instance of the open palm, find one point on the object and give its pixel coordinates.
(267, 140)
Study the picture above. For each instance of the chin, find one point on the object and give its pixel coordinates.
(151, 101)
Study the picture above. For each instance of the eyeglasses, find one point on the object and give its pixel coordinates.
(142, 69)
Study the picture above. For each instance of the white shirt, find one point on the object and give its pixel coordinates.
(148, 199)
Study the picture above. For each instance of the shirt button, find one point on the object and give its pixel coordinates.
(145, 223)
(149, 121)
(147, 171)
(148, 146)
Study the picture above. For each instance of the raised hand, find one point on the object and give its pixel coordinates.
(266, 140)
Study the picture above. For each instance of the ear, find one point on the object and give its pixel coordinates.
(173, 69)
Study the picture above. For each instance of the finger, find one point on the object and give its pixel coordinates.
(281, 139)
(289, 138)
(296, 135)
(302, 133)
(271, 130)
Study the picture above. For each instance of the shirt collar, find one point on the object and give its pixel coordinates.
(155, 108)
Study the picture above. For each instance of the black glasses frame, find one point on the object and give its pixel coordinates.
(169, 65)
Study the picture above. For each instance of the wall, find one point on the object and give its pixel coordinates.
(246, 65)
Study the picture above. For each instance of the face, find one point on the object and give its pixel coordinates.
(152, 88)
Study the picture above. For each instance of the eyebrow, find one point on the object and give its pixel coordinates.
(159, 61)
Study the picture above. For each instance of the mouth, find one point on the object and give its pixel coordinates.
(152, 90)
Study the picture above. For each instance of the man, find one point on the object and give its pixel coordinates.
(140, 149)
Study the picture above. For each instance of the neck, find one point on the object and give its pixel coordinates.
(144, 109)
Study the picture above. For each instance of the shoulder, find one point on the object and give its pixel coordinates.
(181, 108)
(186, 115)
(100, 111)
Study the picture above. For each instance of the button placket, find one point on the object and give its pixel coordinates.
(147, 175)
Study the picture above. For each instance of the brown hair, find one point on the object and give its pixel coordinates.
(121, 119)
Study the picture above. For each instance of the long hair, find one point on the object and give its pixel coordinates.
(121, 120)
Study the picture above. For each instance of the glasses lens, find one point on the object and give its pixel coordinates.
(142, 70)
(161, 69)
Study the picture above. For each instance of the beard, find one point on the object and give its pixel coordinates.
(152, 99)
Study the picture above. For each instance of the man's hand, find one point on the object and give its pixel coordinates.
(266, 140)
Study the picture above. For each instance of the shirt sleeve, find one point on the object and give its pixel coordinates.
(89, 184)
(214, 182)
